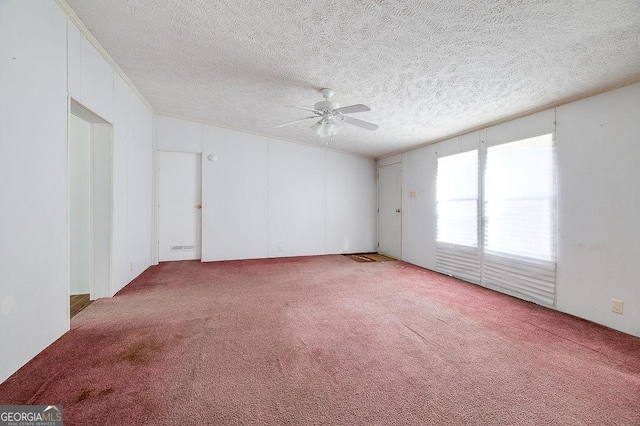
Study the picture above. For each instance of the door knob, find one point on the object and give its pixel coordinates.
(198, 206)
(397, 210)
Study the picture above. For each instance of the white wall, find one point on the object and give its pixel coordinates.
(351, 200)
(418, 214)
(79, 205)
(94, 83)
(599, 208)
(297, 214)
(234, 195)
(122, 137)
(42, 55)
(90, 78)
(139, 190)
(264, 197)
(34, 280)
(174, 134)
(598, 146)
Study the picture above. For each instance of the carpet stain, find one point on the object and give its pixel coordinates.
(84, 395)
(106, 391)
(140, 353)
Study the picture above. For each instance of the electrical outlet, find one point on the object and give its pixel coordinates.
(279, 249)
(131, 266)
(616, 306)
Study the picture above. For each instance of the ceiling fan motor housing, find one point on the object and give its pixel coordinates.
(326, 105)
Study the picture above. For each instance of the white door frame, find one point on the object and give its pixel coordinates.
(380, 166)
(101, 256)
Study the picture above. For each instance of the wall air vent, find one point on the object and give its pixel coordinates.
(183, 248)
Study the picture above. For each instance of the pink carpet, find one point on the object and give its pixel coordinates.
(326, 340)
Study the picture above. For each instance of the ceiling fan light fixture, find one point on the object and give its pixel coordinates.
(325, 128)
(330, 129)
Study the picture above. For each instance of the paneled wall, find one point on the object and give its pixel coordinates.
(351, 202)
(598, 145)
(93, 82)
(598, 152)
(34, 279)
(235, 199)
(44, 59)
(264, 197)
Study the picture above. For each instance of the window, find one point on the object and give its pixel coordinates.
(519, 199)
(517, 252)
(457, 199)
(457, 252)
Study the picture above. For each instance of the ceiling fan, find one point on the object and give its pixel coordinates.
(331, 116)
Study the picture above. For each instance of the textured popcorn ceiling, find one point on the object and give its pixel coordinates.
(427, 69)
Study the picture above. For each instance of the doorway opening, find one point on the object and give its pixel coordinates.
(90, 206)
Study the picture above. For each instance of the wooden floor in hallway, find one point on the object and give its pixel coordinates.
(77, 303)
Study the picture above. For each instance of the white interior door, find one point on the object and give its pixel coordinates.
(390, 210)
(179, 210)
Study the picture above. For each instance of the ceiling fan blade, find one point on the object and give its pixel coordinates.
(352, 108)
(305, 108)
(359, 123)
(288, 123)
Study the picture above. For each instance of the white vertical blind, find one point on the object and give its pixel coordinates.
(457, 251)
(519, 219)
